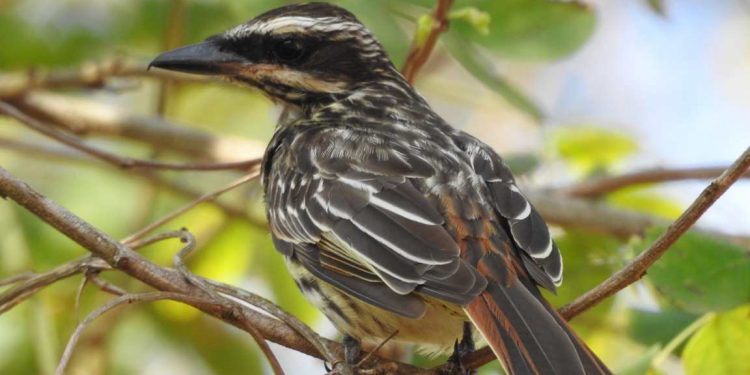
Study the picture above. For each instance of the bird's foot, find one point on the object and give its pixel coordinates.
(455, 365)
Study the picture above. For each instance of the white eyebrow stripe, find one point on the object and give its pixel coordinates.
(289, 24)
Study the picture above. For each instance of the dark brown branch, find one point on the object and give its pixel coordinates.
(638, 267)
(421, 49)
(603, 185)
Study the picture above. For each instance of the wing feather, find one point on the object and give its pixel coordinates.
(363, 219)
(527, 228)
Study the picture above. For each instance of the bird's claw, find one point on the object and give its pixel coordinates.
(454, 365)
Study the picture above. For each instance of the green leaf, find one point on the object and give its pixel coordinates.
(522, 163)
(646, 200)
(701, 274)
(590, 149)
(658, 7)
(657, 327)
(530, 29)
(722, 346)
(587, 260)
(481, 68)
(480, 20)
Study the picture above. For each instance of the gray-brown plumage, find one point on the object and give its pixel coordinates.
(389, 218)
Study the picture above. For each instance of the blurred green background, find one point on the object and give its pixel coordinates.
(690, 315)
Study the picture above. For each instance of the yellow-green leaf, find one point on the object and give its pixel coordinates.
(722, 346)
(589, 149)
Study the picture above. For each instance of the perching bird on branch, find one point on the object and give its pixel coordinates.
(390, 219)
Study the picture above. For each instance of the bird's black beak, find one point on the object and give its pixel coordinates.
(202, 58)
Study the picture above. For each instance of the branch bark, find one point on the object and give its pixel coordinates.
(89, 75)
(603, 185)
(85, 117)
(126, 260)
(421, 49)
(637, 268)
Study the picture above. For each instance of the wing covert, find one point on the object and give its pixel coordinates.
(541, 257)
(364, 219)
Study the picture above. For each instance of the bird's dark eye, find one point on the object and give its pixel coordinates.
(289, 50)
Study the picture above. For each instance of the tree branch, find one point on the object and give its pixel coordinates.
(85, 117)
(124, 259)
(116, 160)
(422, 46)
(637, 268)
(603, 185)
(89, 75)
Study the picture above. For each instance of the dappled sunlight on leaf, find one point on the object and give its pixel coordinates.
(589, 149)
(647, 201)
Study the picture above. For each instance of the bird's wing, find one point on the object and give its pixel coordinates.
(529, 232)
(520, 326)
(356, 220)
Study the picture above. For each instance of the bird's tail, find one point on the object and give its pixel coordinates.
(529, 336)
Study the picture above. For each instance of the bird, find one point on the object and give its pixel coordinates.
(391, 221)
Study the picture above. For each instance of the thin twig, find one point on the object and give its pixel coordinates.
(253, 299)
(603, 185)
(637, 268)
(421, 49)
(105, 286)
(29, 285)
(87, 75)
(116, 160)
(86, 117)
(190, 205)
(57, 154)
(10, 280)
(179, 261)
(125, 299)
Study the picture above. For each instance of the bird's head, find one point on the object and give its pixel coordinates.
(298, 54)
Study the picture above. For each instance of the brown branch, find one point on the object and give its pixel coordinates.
(88, 75)
(116, 160)
(637, 268)
(421, 49)
(85, 117)
(603, 185)
(29, 284)
(203, 198)
(57, 154)
(117, 302)
(164, 279)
